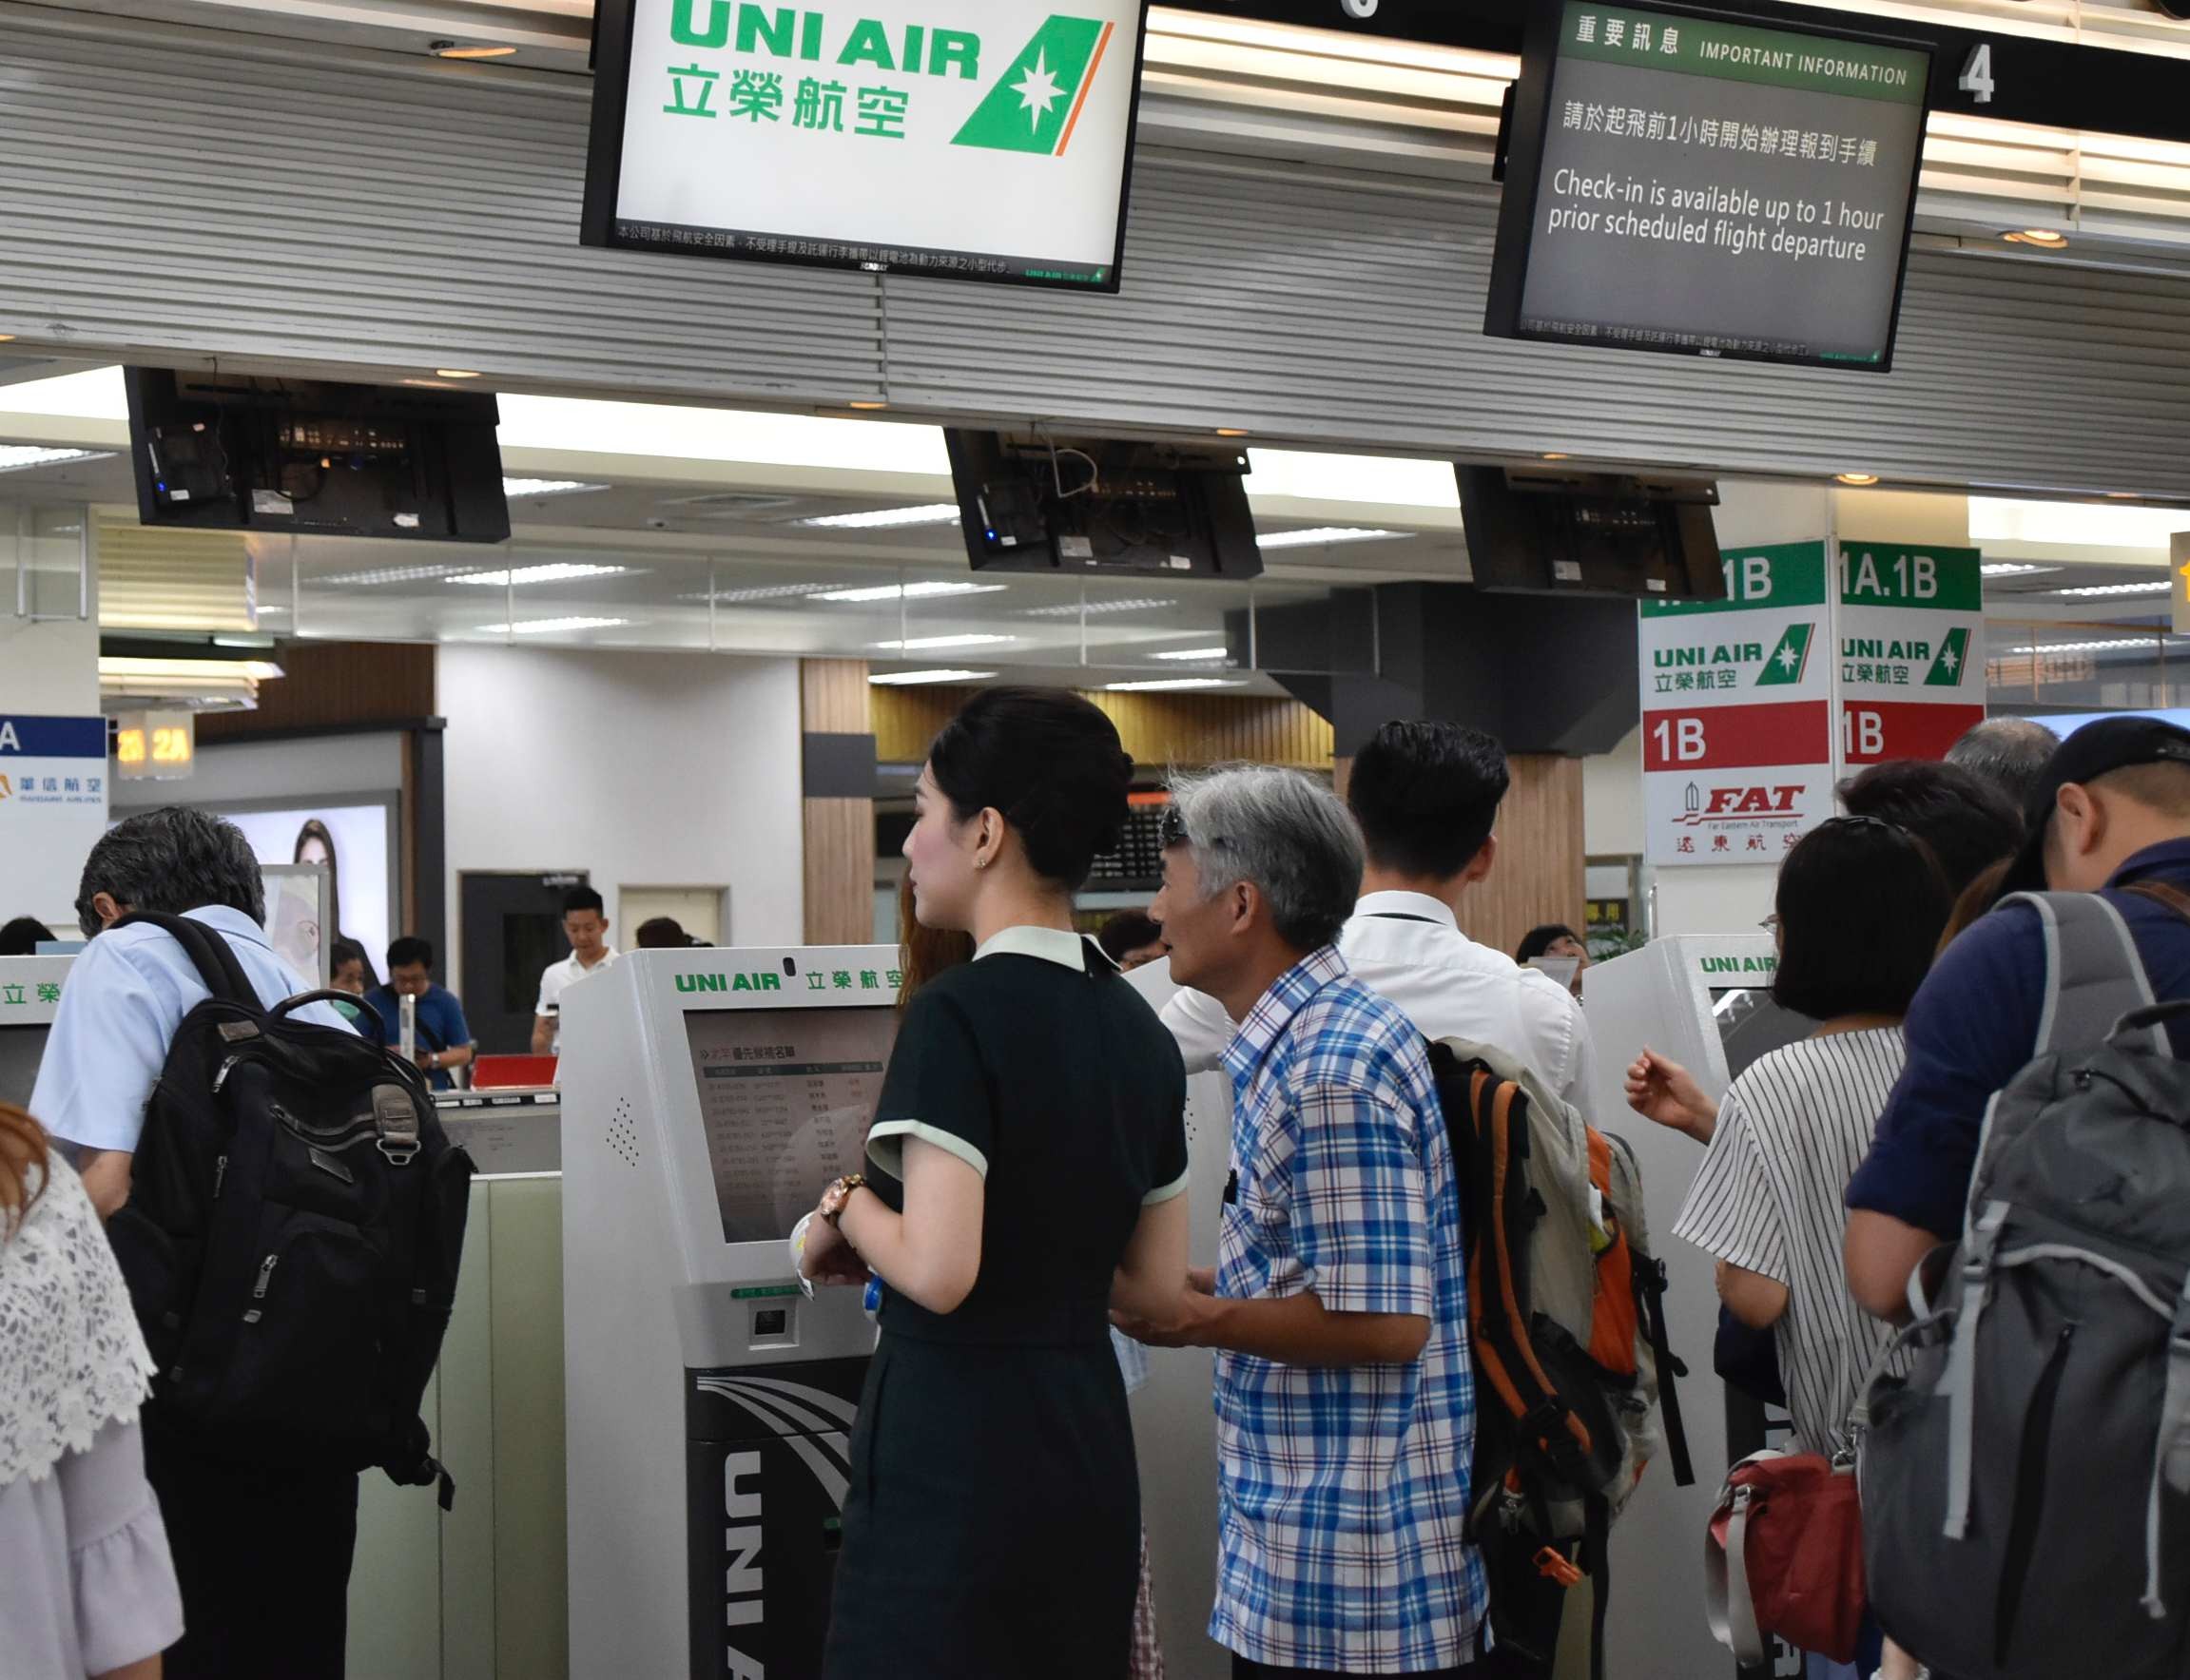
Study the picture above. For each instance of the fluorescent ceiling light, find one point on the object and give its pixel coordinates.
(916, 643)
(884, 518)
(1201, 653)
(1171, 682)
(257, 670)
(16, 456)
(1389, 479)
(2114, 643)
(384, 574)
(546, 627)
(910, 591)
(545, 487)
(913, 679)
(2104, 525)
(558, 573)
(716, 434)
(1097, 608)
(97, 393)
(1321, 534)
(762, 592)
(2159, 587)
(2012, 568)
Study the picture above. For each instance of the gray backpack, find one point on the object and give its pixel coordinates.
(2027, 1490)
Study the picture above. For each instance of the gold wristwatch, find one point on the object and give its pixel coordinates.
(834, 1198)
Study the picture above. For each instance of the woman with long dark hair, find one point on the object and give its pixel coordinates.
(1029, 1152)
(315, 844)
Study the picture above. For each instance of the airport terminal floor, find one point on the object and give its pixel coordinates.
(1238, 838)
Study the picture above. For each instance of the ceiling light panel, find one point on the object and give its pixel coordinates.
(1205, 655)
(381, 575)
(1160, 685)
(916, 679)
(1318, 535)
(884, 518)
(919, 591)
(521, 488)
(558, 572)
(915, 644)
(16, 457)
(2092, 591)
(548, 626)
(1099, 608)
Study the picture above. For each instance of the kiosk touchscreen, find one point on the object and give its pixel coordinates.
(29, 994)
(708, 1095)
(1704, 1001)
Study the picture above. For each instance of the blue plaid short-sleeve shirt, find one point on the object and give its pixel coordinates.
(1343, 1492)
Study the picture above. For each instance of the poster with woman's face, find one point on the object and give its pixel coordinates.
(352, 840)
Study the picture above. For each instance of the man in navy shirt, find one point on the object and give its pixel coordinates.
(2112, 809)
(444, 1041)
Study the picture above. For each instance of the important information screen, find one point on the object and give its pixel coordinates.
(786, 1098)
(1716, 188)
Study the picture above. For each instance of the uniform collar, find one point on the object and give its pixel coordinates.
(1419, 906)
(1067, 950)
(225, 919)
(608, 955)
(1288, 996)
(2168, 857)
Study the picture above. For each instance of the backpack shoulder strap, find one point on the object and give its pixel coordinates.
(2093, 973)
(216, 963)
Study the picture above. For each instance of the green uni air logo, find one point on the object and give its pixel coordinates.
(1789, 660)
(1953, 655)
(1036, 104)
(763, 982)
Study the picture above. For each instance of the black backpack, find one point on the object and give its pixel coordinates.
(291, 1241)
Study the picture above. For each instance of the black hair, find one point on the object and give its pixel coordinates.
(661, 933)
(1538, 941)
(1968, 822)
(21, 936)
(408, 950)
(579, 898)
(342, 951)
(171, 861)
(1426, 796)
(1129, 929)
(1050, 763)
(1861, 907)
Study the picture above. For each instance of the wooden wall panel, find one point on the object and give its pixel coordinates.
(1538, 875)
(1159, 730)
(335, 686)
(839, 834)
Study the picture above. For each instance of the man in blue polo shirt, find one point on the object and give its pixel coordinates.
(444, 1038)
(2112, 809)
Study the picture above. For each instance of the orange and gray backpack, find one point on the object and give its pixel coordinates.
(1567, 1328)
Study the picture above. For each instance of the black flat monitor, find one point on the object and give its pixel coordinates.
(230, 452)
(787, 1096)
(1546, 530)
(1699, 184)
(1076, 506)
(1752, 1024)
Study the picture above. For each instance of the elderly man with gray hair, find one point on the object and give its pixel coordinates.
(1345, 1401)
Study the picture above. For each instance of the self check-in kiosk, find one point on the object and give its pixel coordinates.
(708, 1095)
(1704, 1001)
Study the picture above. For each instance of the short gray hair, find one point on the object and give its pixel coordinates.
(1287, 834)
(2010, 753)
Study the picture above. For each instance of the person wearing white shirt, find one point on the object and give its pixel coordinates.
(1426, 796)
(586, 925)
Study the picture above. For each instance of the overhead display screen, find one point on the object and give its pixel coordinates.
(1680, 182)
(787, 1096)
(984, 140)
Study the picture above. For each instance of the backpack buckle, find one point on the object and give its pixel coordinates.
(396, 1121)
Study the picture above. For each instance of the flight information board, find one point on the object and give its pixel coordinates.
(787, 1096)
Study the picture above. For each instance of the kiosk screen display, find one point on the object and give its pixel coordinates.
(1751, 1026)
(21, 1049)
(786, 1098)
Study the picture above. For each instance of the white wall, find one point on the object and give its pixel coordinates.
(1611, 824)
(640, 768)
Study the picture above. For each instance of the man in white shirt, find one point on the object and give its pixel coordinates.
(586, 925)
(1426, 796)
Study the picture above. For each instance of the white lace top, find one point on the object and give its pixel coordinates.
(70, 1356)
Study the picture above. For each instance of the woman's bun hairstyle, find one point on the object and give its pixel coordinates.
(1051, 762)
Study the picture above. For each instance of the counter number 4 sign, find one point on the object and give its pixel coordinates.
(1977, 74)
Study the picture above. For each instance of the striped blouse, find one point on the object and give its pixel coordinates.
(1790, 1133)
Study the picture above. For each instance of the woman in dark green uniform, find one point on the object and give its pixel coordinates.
(1029, 1153)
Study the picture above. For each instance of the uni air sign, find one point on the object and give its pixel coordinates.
(950, 139)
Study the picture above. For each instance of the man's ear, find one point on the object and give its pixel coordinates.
(1479, 866)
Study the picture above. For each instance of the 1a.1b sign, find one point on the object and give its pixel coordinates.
(1685, 181)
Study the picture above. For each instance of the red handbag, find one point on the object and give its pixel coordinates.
(1784, 1554)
